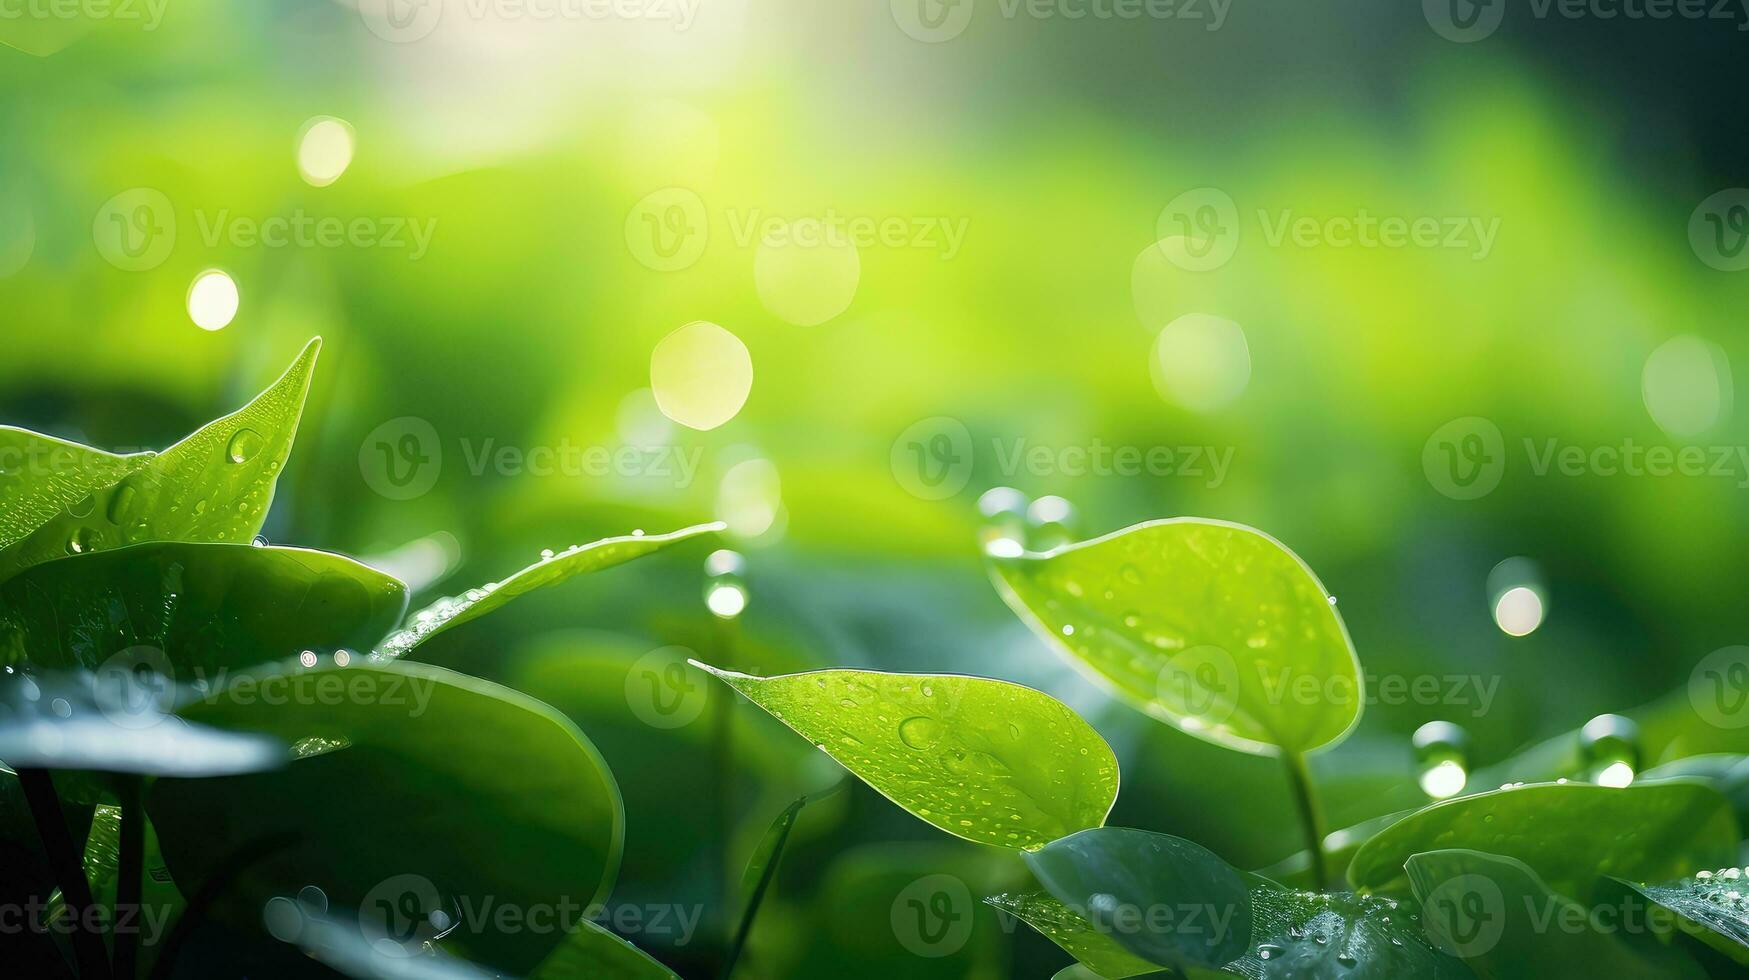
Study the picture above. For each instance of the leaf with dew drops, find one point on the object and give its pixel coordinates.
(552, 569)
(1214, 627)
(1712, 906)
(1092, 947)
(214, 486)
(986, 760)
(40, 476)
(187, 611)
(1570, 834)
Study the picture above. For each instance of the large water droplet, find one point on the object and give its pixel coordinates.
(1442, 753)
(1610, 747)
(919, 732)
(244, 445)
(725, 590)
(82, 541)
(121, 504)
(1051, 522)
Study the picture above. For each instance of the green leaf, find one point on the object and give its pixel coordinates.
(216, 485)
(985, 760)
(195, 608)
(53, 722)
(1105, 956)
(1214, 627)
(1570, 834)
(1314, 935)
(593, 953)
(40, 476)
(1507, 922)
(1710, 905)
(1163, 898)
(455, 610)
(490, 797)
(346, 947)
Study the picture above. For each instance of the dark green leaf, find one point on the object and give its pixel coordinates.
(982, 759)
(195, 608)
(1105, 956)
(456, 610)
(593, 953)
(1214, 627)
(1711, 906)
(1570, 834)
(216, 485)
(477, 795)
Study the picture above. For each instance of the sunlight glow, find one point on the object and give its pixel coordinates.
(213, 300)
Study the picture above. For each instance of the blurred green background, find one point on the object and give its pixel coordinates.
(1025, 169)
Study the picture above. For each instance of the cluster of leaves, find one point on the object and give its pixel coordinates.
(1205, 625)
(142, 623)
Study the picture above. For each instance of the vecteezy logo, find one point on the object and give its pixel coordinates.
(1719, 688)
(135, 230)
(932, 459)
(1466, 915)
(136, 687)
(1464, 21)
(400, 21)
(1200, 685)
(401, 458)
(1718, 231)
(401, 914)
(664, 691)
(932, 21)
(1199, 229)
(932, 916)
(668, 229)
(1465, 458)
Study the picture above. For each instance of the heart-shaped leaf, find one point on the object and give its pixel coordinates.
(1214, 627)
(453, 795)
(40, 476)
(190, 610)
(1506, 922)
(453, 611)
(216, 485)
(71, 722)
(1163, 898)
(1710, 905)
(1570, 834)
(982, 759)
(593, 953)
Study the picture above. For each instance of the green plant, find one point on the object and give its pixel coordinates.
(179, 697)
(1222, 631)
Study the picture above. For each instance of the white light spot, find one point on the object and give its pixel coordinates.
(324, 150)
(1444, 780)
(726, 601)
(807, 272)
(701, 375)
(1519, 611)
(1686, 385)
(1201, 362)
(1616, 775)
(213, 300)
(1003, 548)
(749, 496)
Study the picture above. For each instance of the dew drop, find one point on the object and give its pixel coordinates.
(244, 445)
(83, 540)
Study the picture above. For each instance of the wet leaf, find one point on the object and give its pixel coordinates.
(1214, 627)
(982, 759)
(1506, 922)
(40, 476)
(1097, 950)
(216, 485)
(450, 788)
(456, 610)
(1713, 906)
(593, 953)
(1315, 935)
(190, 610)
(345, 947)
(1570, 834)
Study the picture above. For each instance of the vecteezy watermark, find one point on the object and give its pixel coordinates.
(138, 686)
(1718, 689)
(933, 459)
(1205, 683)
(147, 13)
(402, 459)
(1468, 21)
(149, 921)
(932, 916)
(303, 230)
(1718, 230)
(935, 21)
(1465, 459)
(663, 690)
(406, 21)
(1465, 916)
(668, 229)
(1468, 915)
(135, 230)
(46, 459)
(1200, 230)
(407, 911)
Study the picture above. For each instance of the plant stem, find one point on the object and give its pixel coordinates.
(723, 765)
(129, 883)
(64, 858)
(754, 900)
(1300, 781)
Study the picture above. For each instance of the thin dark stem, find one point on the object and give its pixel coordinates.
(129, 883)
(723, 762)
(65, 859)
(1300, 780)
(757, 896)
